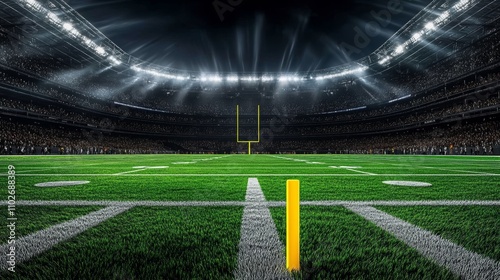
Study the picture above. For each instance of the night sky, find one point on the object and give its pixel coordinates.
(253, 35)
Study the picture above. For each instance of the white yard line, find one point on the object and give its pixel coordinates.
(127, 172)
(255, 175)
(362, 172)
(261, 253)
(460, 261)
(41, 241)
(455, 170)
(264, 204)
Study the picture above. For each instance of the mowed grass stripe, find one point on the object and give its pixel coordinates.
(473, 227)
(36, 243)
(146, 243)
(338, 244)
(462, 262)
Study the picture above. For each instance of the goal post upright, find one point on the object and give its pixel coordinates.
(249, 142)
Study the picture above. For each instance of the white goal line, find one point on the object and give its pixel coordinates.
(246, 203)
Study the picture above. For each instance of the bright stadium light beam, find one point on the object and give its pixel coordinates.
(249, 79)
(54, 18)
(342, 74)
(462, 5)
(442, 18)
(416, 37)
(67, 26)
(232, 78)
(430, 26)
(100, 51)
(399, 50)
(114, 60)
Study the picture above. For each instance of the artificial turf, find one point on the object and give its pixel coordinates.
(338, 244)
(202, 242)
(31, 219)
(146, 243)
(474, 227)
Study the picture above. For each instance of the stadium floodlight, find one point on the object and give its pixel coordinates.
(213, 79)
(34, 4)
(114, 60)
(430, 26)
(267, 78)
(232, 78)
(181, 78)
(342, 74)
(462, 5)
(249, 79)
(385, 60)
(67, 26)
(288, 78)
(399, 50)
(442, 18)
(416, 37)
(54, 18)
(100, 51)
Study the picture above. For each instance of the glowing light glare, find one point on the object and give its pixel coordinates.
(115, 61)
(32, 3)
(158, 74)
(232, 79)
(385, 60)
(212, 79)
(341, 74)
(416, 37)
(54, 18)
(442, 18)
(462, 5)
(100, 50)
(249, 79)
(288, 79)
(430, 26)
(67, 26)
(400, 49)
(267, 78)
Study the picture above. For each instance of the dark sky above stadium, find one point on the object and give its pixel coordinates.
(248, 35)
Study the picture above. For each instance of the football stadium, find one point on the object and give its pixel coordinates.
(234, 139)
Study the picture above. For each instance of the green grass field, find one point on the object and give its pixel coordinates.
(198, 238)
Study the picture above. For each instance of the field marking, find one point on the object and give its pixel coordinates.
(460, 261)
(254, 175)
(362, 172)
(41, 241)
(150, 203)
(128, 172)
(260, 254)
(454, 170)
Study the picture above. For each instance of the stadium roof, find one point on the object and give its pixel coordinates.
(437, 30)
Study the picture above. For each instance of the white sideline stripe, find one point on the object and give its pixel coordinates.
(246, 203)
(127, 172)
(455, 170)
(41, 241)
(254, 175)
(359, 171)
(260, 254)
(460, 261)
